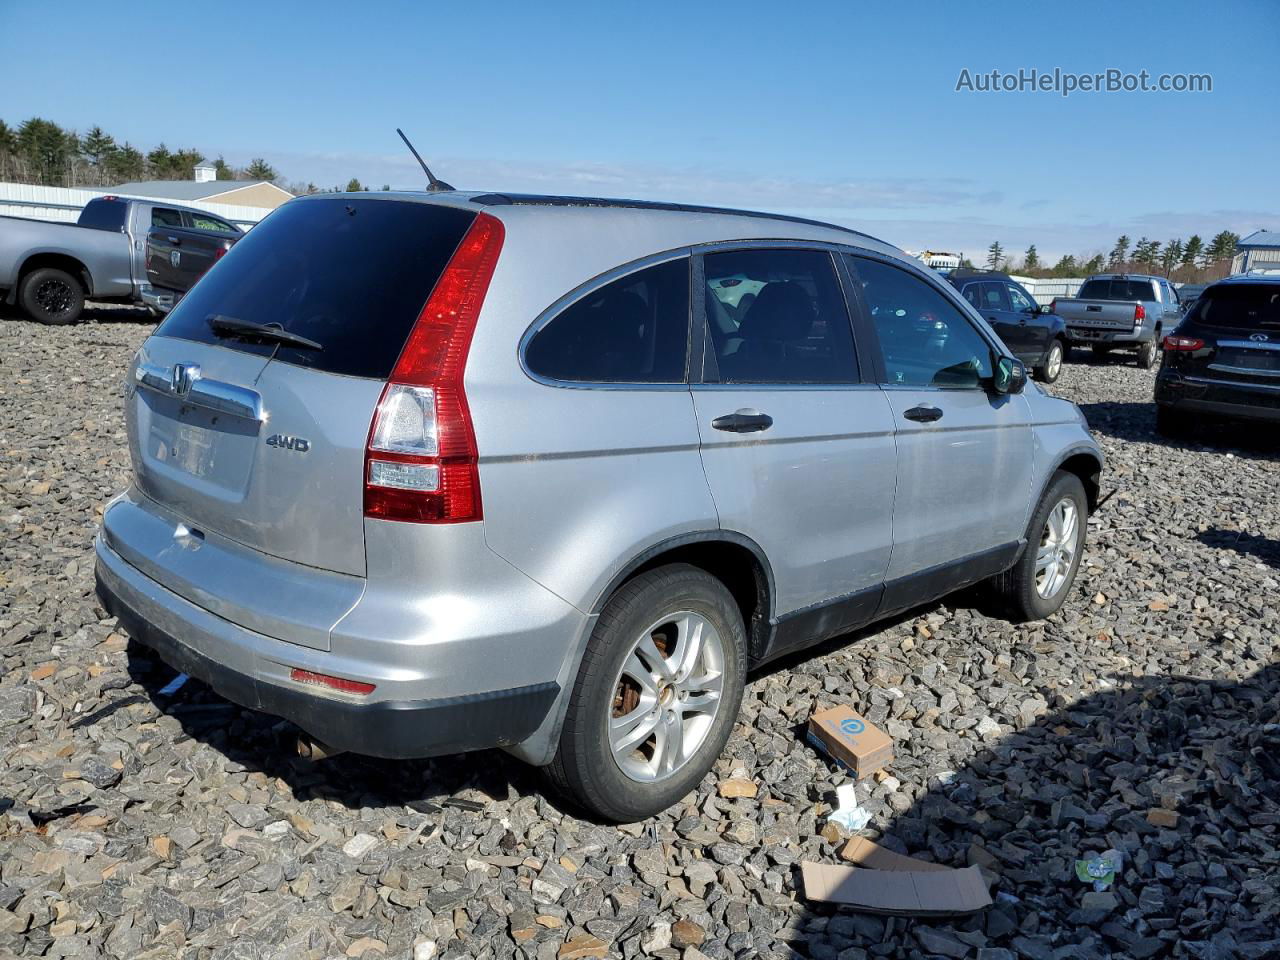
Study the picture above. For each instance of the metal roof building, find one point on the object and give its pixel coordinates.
(1260, 250)
(248, 193)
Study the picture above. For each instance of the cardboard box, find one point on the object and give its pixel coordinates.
(898, 892)
(852, 741)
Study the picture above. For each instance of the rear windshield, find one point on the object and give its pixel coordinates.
(351, 274)
(1117, 290)
(1245, 306)
(104, 215)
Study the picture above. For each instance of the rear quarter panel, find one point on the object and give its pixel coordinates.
(106, 256)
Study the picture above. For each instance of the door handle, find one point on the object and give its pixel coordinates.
(923, 414)
(743, 421)
(176, 241)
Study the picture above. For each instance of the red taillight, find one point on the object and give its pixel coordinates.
(220, 250)
(421, 463)
(340, 684)
(1139, 313)
(1175, 343)
(1053, 305)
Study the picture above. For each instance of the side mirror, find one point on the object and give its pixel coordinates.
(1045, 308)
(1010, 376)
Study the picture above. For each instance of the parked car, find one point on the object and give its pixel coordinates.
(1118, 310)
(120, 250)
(1032, 333)
(427, 473)
(1188, 293)
(1224, 358)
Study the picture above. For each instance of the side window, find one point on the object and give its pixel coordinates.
(202, 221)
(160, 217)
(1019, 300)
(994, 296)
(633, 330)
(778, 316)
(973, 293)
(925, 339)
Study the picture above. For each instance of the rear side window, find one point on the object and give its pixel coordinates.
(104, 215)
(633, 330)
(1019, 300)
(352, 274)
(1114, 289)
(778, 316)
(993, 296)
(160, 217)
(202, 221)
(1245, 306)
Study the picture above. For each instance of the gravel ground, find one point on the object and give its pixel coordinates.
(1143, 719)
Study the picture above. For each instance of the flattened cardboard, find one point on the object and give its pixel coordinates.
(863, 853)
(854, 742)
(902, 893)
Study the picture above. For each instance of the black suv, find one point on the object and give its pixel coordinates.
(1032, 333)
(1224, 357)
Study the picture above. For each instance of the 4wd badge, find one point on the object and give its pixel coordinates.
(296, 444)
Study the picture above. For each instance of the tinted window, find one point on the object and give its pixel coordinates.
(1246, 306)
(160, 217)
(925, 339)
(103, 215)
(350, 273)
(633, 330)
(202, 221)
(1019, 300)
(994, 296)
(778, 316)
(1111, 289)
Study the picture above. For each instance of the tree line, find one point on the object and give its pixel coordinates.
(38, 151)
(1189, 261)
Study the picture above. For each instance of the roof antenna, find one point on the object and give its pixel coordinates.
(433, 185)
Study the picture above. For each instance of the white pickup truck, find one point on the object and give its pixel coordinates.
(1121, 310)
(121, 250)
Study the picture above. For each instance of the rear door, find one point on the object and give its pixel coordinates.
(963, 455)
(797, 444)
(164, 249)
(264, 443)
(1033, 332)
(993, 303)
(205, 239)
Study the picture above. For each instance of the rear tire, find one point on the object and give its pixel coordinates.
(1051, 369)
(618, 785)
(1147, 354)
(1038, 584)
(51, 296)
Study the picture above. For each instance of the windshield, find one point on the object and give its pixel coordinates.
(1244, 306)
(350, 274)
(1111, 288)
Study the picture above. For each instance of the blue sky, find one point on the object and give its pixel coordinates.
(846, 111)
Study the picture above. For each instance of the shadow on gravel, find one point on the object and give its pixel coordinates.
(1180, 775)
(260, 742)
(93, 313)
(1137, 422)
(1249, 544)
(1083, 357)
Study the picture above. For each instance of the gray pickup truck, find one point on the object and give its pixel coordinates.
(121, 250)
(1121, 310)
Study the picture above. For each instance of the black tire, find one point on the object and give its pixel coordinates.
(584, 767)
(1016, 587)
(1049, 371)
(1147, 354)
(51, 296)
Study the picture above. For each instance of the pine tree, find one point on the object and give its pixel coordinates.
(97, 146)
(995, 255)
(1192, 252)
(354, 186)
(222, 171)
(127, 163)
(1032, 259)
(1120, 252)
(259, 169)
(1172, 256)
(1095, 265)
(46, 147)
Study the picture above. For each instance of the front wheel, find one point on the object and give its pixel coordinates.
(1037, 585)
(656, 696)
(1147, 354)
(1051, 368)
(51, 296)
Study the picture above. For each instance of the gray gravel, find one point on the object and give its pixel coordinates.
(1143, 719)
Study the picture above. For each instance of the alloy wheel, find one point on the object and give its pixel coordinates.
(666, 696)
(1057, 550)
(54, 296)
(1054, 366)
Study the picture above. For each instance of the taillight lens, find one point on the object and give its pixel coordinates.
(1139, 313)
(1175, 343)
(220, 250)
(341, 684)
(421, 463)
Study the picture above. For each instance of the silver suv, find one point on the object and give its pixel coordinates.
(433, 473)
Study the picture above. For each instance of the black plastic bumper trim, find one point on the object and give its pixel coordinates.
(393, 729)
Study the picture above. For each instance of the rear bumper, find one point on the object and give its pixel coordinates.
(1079, 336)
(1245, 401)
(161, 301)
(252, 670)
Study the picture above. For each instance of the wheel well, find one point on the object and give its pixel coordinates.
(739, 569)
(1089, 470)
(59, 261)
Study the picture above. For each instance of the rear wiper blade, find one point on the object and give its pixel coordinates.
(231, 327)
